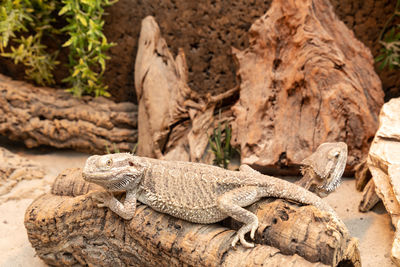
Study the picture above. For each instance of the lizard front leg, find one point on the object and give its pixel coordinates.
(125, 210)
(231, 204)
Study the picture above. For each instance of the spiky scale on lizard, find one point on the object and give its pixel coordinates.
(193, 191)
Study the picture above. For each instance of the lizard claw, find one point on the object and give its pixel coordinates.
(253, 229)
(240, 236)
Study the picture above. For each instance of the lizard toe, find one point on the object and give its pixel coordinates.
(242, 241)
(245, 243)
(235, 240)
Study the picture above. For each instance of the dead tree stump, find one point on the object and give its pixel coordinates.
(174, 121)
(305, 80)
(66, 228)
(44, 116)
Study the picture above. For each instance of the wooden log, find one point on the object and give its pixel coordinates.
(44, 116)
(66, 228)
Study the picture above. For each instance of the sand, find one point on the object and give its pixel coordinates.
(373, 229)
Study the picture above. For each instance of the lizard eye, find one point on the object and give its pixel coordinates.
(336, 154)
(109, 163)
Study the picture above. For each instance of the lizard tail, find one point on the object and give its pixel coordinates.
(278, 188)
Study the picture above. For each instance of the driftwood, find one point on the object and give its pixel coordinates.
(370, 198)
(174, 121)
(51, 117)
(66, 228)
(362, 175)
(305, 80)
(365, 184)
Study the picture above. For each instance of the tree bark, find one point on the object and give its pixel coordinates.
(44, 116)
(66, 228)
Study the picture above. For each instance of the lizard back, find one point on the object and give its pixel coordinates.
(189, 190)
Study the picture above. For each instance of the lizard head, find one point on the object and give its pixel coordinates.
(322, 170)
(114, 172)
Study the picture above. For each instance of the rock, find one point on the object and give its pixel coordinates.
(305, 80)
(384, 164)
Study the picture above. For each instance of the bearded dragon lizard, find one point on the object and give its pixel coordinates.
(203, 193)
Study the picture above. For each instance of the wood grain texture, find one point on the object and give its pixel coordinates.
(44, 116)
(362, 175)
(305, 80)
(370, 198)
(66, 228)
(174, 121)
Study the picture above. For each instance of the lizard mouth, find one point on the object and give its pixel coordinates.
(94, 177)
(115, 182)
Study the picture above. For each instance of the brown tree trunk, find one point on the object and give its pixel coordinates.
(66, 228)
(40, 116)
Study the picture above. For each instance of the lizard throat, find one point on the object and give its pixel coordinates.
(337, 173)
(120, 184)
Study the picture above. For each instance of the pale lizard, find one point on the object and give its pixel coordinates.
(198, 192)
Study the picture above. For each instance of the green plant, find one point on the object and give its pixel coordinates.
(33, 18)
(87, 45)
(220, 144)
(390, 40)
(24, 23)
(116, 149)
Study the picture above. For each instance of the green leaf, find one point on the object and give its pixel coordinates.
(82, 19)
(69, 42)
(102, 63)
(379, 58)
(64, 10)
(76, 72)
